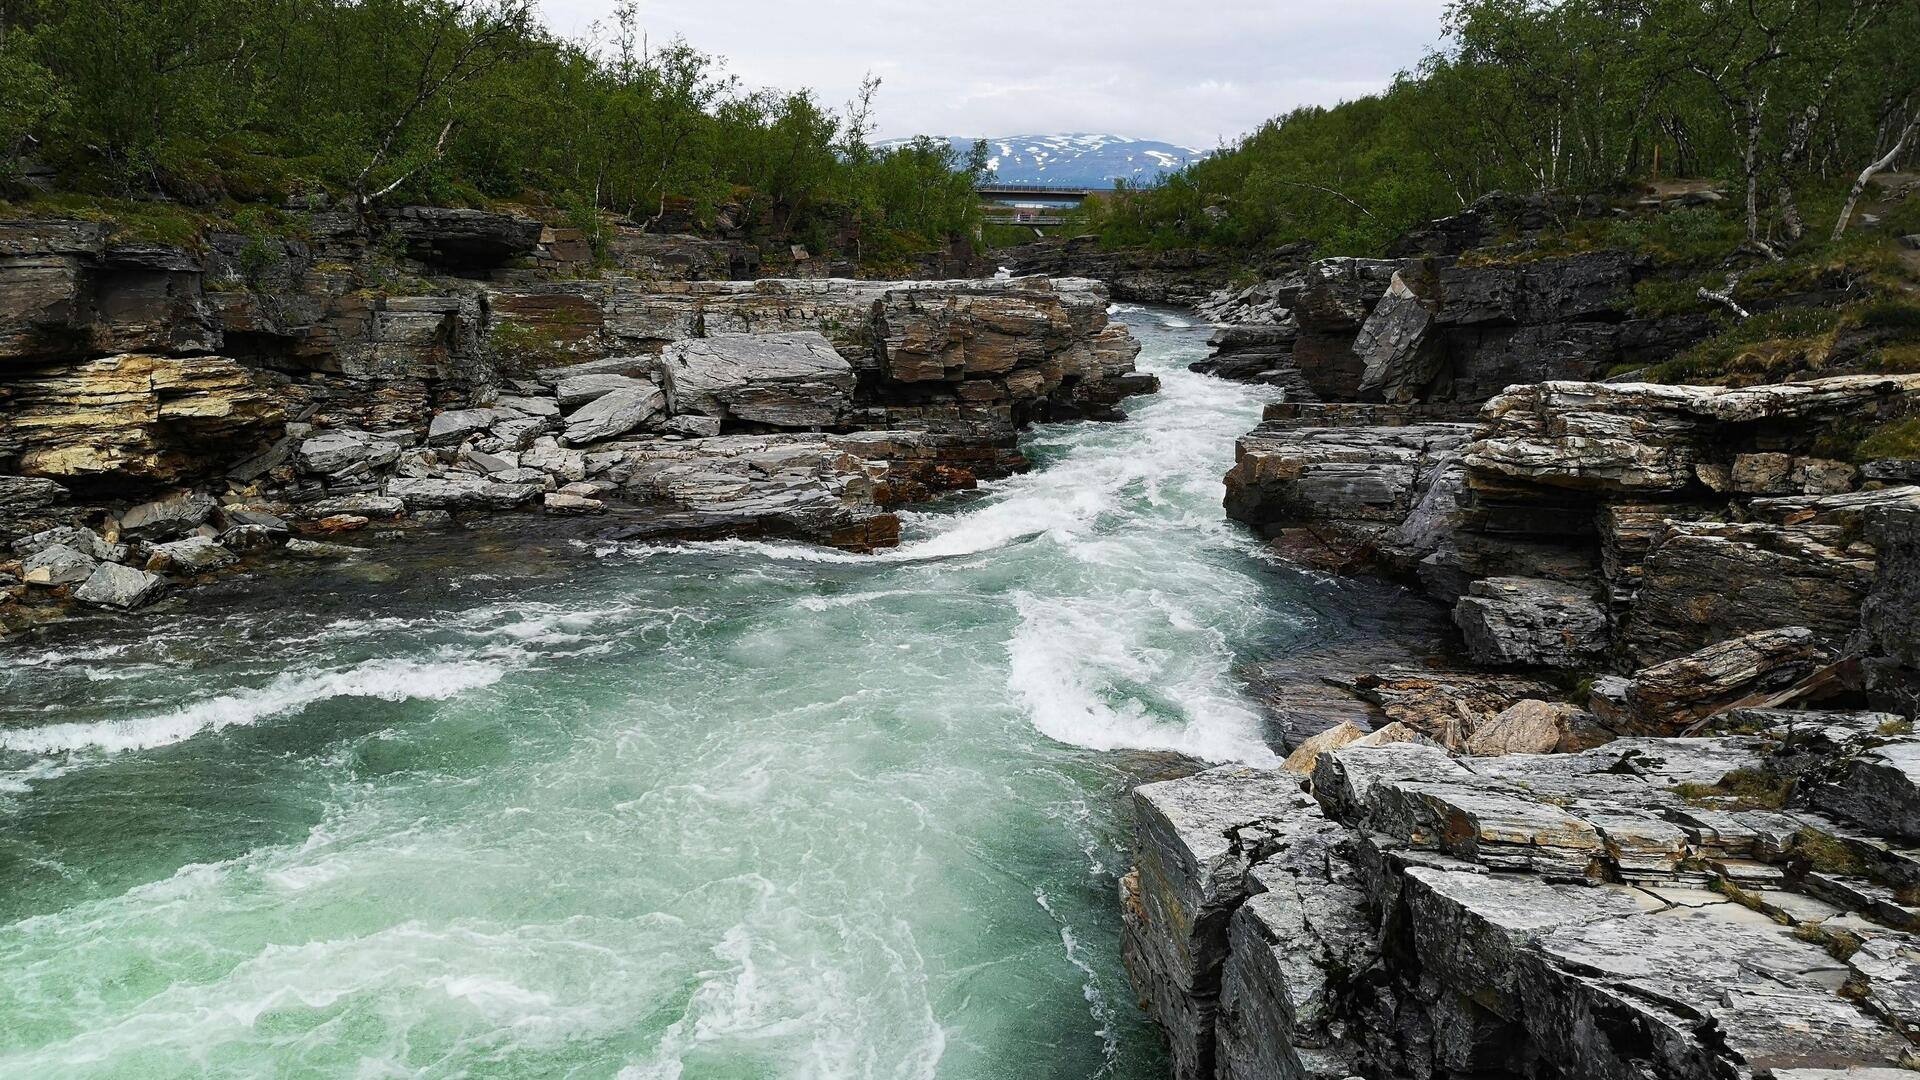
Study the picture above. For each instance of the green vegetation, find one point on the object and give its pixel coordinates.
(211, 103)
(1741, 789)
(1877, 335)
(1897, 440)
(1784, 102)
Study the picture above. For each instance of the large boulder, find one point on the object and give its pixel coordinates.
(346, 451)
(792, 380)
(1532, 622)
(194, 555)
(461, 493)
(614, 414)
(114, 585)
(1400, 357)
(57, 564)
(1670, 697)
(576, 390)
(163, 519)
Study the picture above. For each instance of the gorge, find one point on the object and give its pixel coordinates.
(486, 799)
(530, 556)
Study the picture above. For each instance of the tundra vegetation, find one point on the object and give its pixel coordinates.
(202, 105)
(1793, 105)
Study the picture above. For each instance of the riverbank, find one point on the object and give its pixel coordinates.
(1654, 815)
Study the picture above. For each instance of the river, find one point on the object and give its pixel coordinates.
(730, 809)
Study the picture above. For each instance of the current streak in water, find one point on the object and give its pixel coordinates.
(714, 810)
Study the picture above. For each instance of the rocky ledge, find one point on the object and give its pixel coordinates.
(165, 421)
(1734, 905)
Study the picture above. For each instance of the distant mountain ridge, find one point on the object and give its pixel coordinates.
(1076, 159)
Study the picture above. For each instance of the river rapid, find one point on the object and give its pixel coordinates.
(713, 810)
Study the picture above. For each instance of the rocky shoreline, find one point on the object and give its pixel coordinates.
(179, 412)
(1644, 808)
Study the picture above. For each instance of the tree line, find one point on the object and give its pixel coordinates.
(449, 102)
(1792, 104)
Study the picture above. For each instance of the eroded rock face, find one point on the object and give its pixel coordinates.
(1364, 486)
(1669, 697)
(1646, 439)
(793, 380)
(1619, 912)
(1657, 502)
(135, 418)
(1533, 623)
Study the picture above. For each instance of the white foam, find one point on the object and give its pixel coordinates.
(387, 680)
(1071, 663)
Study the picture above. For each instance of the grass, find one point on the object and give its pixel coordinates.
(168, 224)
(1897, 440)
(1741, 789)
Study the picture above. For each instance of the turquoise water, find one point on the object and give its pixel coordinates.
(711, 810)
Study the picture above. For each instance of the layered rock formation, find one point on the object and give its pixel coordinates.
(1443, 329)
(446, 361)
(1622, 523)
(1727, 906)
(1592, 838)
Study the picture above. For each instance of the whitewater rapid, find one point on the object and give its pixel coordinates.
(709, 809)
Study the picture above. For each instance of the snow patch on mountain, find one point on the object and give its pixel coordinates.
(1076, 159)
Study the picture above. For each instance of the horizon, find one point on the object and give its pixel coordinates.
(1201, 82)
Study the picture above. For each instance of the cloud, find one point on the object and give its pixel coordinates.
(1196, 74)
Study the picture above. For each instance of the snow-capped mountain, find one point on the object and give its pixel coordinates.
(1077, 159)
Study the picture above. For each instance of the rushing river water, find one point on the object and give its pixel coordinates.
(715, 810)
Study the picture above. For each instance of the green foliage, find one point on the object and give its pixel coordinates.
(1897, 440)
(1775, 99)
(448, 102)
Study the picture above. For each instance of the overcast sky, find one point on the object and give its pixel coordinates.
(1191, 72)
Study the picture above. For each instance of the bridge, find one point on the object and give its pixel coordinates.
(1048, 191)
(1036, 205)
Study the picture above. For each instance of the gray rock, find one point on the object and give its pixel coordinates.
(693, 427)
(19, 493)
(334, 452)
(57, 564)
(239, 515)
(1400, 359)
(790, 380)
(77, 537)
(194, 555)
(1195, 840)
(363, 504)
(161, 519)
(613, 414)
(1879, 788)
(114, 585)
(315, 549)
(580, 389)
(1524, 621)
(542, 407)
(460, 493)
(546, 455)
(251, 538)
(455, 426)
(567, 503)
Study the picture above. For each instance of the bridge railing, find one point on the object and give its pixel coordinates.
(1031, 189)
